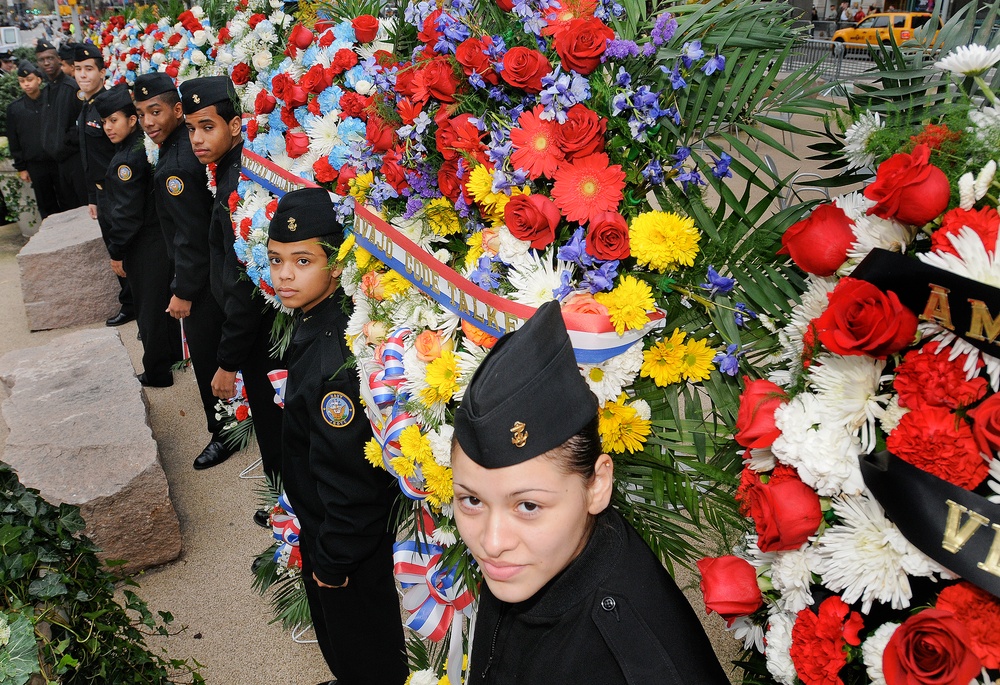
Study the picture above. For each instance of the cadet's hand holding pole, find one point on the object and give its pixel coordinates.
(178, 308)
(224, 384)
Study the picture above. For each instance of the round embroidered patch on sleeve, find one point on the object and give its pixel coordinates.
(124, 173)
(337, 409)
(175, 186)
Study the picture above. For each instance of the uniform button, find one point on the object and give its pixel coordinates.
(608, 604)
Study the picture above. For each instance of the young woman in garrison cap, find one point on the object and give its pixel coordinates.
(571, 594)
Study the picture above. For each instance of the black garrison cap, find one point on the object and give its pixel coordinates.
(67, 51)
(527, 397)
(304, 214)
(113, 100)
(150, 85)
(89, 51)
(199, 93)
(26, 67)
(42, 45)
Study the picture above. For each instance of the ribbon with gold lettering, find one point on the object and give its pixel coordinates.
(960, 304)
(955, 527)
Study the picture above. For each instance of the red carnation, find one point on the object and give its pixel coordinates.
(288, 117)
(343, 60)
(325, 173)
(233, 201)
(984, 222)
(246, 224)
(240, 73)
(257, 18)
(819, 641)
(979, 612)
(242, 412)
(224, 35)
(174, 39)
(353, 105)
(326, 40)
(344, 177)
(270, 208)
(251, 129)
(940, 443)
(927, 378)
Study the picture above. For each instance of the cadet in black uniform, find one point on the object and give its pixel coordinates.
(96, 152)
(61, 137)
(571, 594)
(214, 125)
(135, 240)
(25, 132)
(343, 504)
(67, 56)
(48, 60)
(184, 205)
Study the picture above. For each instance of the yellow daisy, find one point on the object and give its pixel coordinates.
(696, 364)
(362, 258)
(438, 481)
(360, 184)
(621, 427)
(416, 446)
(403, 466)
(475, 243)
(345, 247)
(373, 454)
(663, 361)
(442, 379)
(663, 240)
(394, 284)
(628, 303)
(441, 217)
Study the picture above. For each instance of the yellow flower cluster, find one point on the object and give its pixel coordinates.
(663, 240)
(442, 217)
(346, 247)
(674, 359)
(628, 303)
(394, 284)
(442, 379)
(480, 186)
(373, 454)
(360, 184)
(417, 452)
(621, 427)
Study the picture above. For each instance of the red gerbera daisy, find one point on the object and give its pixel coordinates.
(587, 186)
(535, 148)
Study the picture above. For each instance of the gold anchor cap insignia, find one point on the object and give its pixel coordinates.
(519, 436)
(196, 98)
(145, 92)
(292, 226)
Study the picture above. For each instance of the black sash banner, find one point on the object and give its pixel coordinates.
(968, 308)
(955, 527)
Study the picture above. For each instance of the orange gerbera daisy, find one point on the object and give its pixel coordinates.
(587, 186)
(534, 141)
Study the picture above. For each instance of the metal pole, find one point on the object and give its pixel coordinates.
(77, 35)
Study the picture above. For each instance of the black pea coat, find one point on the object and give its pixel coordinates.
(25, 131)
(62, 139)
(613, 617)
(96, 150)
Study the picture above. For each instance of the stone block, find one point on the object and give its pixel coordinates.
(79, 433)
(66, 278)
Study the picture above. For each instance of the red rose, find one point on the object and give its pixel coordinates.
(296, 144)
(379, 134)
(324, 172)
(316, 80)
(458, 136)
(174, 39)
(755, 420)
(861, 319)
(429, 33)
(505, 5)
(909, 189)
(393, 171)
(224, 35)
(240, 74)
(449, 183)
(437, 80)
(171, 70)
(326, 40)
(930, 647)
(927, 378)
(343, 179)
(785, 513)
(986, 425)
(940, 443)
(288, 117)
(524, 68)
(300, 37)
(404, 79)
(280, 85)
(257, 18)
(979, 612)
(323, 25)
(984, 222)
(581, 43)
(818, 244)
(471, 54)
(353, 105)
(365, 28)
(314, 107)
(242, 412)
(533, 218)
(607, 236)
(582, 133)
(729, 586)
(819, 641)
(296, 96)
(251, 129)
(343, 60)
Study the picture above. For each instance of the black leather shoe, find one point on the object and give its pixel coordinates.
(255, 565)
(262, 518)
(156, 381)
(120, 318)
(214, 453)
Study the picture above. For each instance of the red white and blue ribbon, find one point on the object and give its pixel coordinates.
(285, 527)
(278, 378)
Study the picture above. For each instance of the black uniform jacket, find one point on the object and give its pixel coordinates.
(343, 503)
(96, 150)
(24, 131)
(61, 137)
(613, 616)
(244, 312)
(129, 188)
(184, 203)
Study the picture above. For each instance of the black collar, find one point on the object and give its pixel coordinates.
(319, 317)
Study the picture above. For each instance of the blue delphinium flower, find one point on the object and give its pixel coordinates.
(575, 250)
(483, 274)
(602, 278)
(717, 284)
(663, 29)
(691, 52)
(728, 361)
(714, 64)
(654, 172)
(565, 285)
(560, 91)
(720, 168)
(677, 81)
(689, 178)
(621, 49)
(743, 314)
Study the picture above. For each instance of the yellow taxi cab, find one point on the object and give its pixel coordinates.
(875, 28)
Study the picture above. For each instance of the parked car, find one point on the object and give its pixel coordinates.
(875, 28)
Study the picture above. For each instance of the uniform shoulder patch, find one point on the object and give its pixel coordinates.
(175, 186)
(337, 409)
(124, 172)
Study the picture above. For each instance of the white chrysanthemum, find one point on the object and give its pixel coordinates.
(872, 232)
(814, 302)
(303, 164)
(417, 229)
(969, 60)
(825, 455)
(985, 123)
(152, 150)
(984, 179)
(752, 553)
(792, 577)
(759, 459)
(322, 132)
(856, 139)
(748, 632)
(440, 441)
(849, 389)
(425, 677)
(360, 316)
(536, 280)
(872, 649)
(513, 251)
(445, 535)
(607, 379)
(993, 482)
(892, 415)
(779, 645)
(642, 409)
(966, 191)
(867, 557)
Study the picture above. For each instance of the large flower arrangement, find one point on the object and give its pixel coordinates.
(862, 569)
